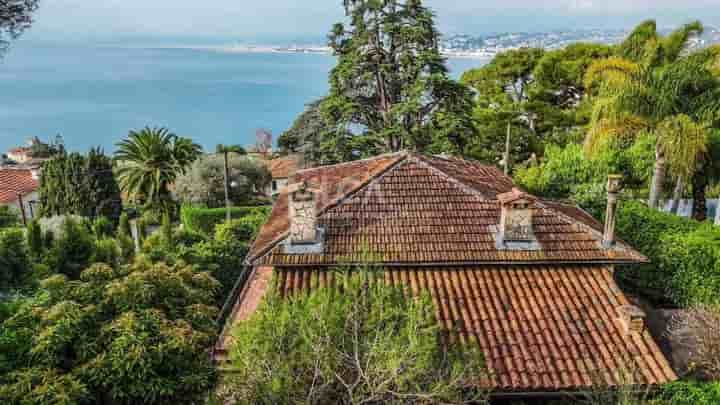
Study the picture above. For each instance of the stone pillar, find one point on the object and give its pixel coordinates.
(613, 190)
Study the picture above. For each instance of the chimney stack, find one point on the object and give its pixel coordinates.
(305, 234)
(516, 221)
(632, 319)
(614, 186)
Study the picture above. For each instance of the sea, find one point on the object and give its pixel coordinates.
(92, 95)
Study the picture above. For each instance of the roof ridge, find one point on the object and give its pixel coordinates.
(384, 155)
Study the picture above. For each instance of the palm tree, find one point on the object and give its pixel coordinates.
(225, 150)
(653, 87)
(149, 161)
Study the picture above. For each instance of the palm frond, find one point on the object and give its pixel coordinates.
(683, 140)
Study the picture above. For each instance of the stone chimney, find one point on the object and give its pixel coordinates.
(306, 236)
(614, 186)
(632, 319)
(516, 221)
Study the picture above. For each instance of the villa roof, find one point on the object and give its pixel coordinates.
(541, 328)
(406, 209)
(546, 318)
(14, 182)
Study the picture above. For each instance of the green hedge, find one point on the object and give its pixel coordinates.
(204, 220)
(689, 393)
(684, 254)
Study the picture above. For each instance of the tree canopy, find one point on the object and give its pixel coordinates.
(75, 184)
(364, 342)
(149, 161)
(390, 89)
(15, 17)
(203, 182)
(652, 86)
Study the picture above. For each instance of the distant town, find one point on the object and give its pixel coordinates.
(487, 46)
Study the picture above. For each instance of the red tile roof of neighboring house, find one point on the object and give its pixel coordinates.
(14, 182)
(283, 167)
(541, 329)
(410, 209)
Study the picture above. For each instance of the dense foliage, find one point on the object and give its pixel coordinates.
(684, 254)
(533, 96)
(305, 134)
(204, 220)
(368, 343)
(79, 185)
(653, 86)
(203, 183)
(137, 335)
(390, 89)
(8, 218)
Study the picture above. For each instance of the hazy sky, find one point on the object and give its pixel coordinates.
(269, 20)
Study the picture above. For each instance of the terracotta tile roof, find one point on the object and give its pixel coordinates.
(14, 182)
(335, 181)
(411, 209)
(541, 328)
(283, 167)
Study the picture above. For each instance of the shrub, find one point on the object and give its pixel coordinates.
(34, 239)
(106, 251)
(690, 393)
(72, 249)
(103, 228)
(684, 255)
(8, 218)
(296, 350)
(133, 336)
(15, 265)
(204, 220)
(124, 226)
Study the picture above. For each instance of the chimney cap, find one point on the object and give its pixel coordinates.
(614, 183)
(514, 195)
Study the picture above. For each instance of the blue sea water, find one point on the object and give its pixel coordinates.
(94, 95)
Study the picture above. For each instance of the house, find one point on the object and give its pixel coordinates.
(19, 190)
(282, 169)
(24, 154)
(527, 279)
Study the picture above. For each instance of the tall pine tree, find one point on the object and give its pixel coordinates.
(391, 90)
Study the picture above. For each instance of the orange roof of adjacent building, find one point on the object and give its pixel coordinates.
(284, 167)
(14, 182)
(546, 318)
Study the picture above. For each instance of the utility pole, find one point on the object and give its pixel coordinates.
(227, 186)
(507, 151)
(21, 203)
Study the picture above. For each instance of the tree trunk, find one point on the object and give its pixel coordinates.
(699, 184)
(677, 196)
(656, 188)
(227, 188)
(717, 213)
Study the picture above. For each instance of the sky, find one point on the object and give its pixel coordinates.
(267, 21)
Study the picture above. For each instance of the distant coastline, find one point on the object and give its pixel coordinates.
(313, 50)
